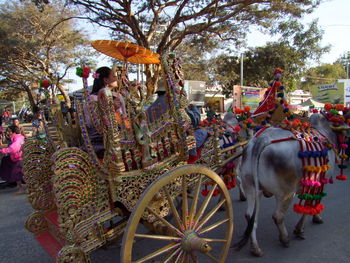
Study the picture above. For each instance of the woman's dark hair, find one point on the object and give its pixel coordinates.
(14, 129)
(103, 73)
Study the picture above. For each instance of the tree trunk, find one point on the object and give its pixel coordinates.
(65, 95)
(152, 76)
(30, 96)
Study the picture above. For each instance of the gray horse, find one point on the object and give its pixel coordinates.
(274, 169)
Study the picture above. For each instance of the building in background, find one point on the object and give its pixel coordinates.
(247, 96)
(195, 91)
(215, 98)
(298, 96)
(202, 95)
(346, 91)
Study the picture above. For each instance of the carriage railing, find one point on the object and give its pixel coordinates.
(66, 127)
(133, 142)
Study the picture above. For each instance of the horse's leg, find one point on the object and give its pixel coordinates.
(317, 219)
(278, 217)
(299, 228)
(242, 196)
(253, 203)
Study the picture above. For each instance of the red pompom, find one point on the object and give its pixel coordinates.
(250, 121)
(86, 72)
(328, 106)
(277, 70)
(314, 111)
(205, 192)
(45, 83)
(216, 192)
(339, 107)
(247, 109)
(237, 128)
(238, 111)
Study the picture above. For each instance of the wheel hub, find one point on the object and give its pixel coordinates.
(191, 241)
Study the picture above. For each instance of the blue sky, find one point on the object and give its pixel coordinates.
(333, 18)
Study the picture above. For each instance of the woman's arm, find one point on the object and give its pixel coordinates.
(8, 150)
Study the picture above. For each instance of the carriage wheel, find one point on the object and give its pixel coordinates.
(194, 232)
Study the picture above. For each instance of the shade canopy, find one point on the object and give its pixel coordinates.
(311, 102)
(125, 51)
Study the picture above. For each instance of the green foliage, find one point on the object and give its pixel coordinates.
(297, 45)
(324, 74)
(36, 44)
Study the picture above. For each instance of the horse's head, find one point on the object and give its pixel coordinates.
(321, 123)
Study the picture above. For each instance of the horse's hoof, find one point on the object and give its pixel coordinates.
(299, 234)
(256, 251)
(284, 241)
(317, 219)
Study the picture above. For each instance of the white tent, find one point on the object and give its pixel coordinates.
(310, 102)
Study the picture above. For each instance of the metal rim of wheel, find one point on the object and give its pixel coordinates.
(190, 229)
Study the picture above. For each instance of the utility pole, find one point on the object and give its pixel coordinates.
(241, 69)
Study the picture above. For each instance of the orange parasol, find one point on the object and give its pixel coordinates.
(126, 51)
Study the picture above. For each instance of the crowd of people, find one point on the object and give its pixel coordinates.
(12, 137)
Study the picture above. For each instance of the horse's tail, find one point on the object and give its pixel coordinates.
(249, 229)
(252, 219)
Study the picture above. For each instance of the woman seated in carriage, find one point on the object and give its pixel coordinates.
(104, 77)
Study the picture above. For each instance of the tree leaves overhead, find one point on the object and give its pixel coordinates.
(170, 22)
(37, 44)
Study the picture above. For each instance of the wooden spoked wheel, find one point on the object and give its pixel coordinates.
(195, 231)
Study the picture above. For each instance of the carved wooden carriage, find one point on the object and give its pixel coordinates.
(83, 202)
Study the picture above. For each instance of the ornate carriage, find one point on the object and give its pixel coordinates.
(141, 184)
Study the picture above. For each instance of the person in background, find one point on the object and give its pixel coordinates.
(6, 115)
(2, 133)
(199, 134)
(38, 124)
(15, 122)
(160, 105)
(11, 165)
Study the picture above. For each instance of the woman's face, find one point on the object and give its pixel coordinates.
(111, 78)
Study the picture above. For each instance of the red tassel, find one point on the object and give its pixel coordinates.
(341, 177)
(205, 192)
(216, 192)
(192, 159)
(331, 181)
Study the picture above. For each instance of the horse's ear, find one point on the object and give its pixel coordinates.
(323, 114)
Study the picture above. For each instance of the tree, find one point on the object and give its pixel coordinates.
(166, 24)
(298, 44)
(36, 45)
(326, 73)
(345, 61)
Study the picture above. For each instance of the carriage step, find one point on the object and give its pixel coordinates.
(53, 226)
(48, 242)
(52, 218)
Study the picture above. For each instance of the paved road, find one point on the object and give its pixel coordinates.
(325, 243)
